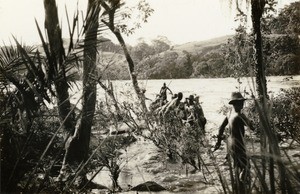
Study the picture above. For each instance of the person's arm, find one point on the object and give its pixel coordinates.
(169, 90)
(247, 122)
(220, 134)
(201, 112)
(168, 106)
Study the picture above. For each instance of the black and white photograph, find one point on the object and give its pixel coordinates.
(150, 96)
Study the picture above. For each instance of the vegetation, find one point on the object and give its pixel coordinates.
(206, 59)
(32, 76)
(286, 113)
(47, 149)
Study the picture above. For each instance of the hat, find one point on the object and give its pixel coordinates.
(236, 96)
(191, 97)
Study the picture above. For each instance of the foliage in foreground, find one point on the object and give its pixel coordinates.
(22, 147)
(272, 168)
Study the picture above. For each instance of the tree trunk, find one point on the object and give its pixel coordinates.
(256, 14)
(111, 25)
(133, 76)
(56, 64)
(259, 68)
(89, 82)
(78, 146)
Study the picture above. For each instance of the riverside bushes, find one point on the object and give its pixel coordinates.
(180, 141)
(286, 113)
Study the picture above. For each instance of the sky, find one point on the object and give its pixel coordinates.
(181, 21)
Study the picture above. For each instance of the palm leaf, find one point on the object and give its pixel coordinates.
(50, 64)
(11, 60)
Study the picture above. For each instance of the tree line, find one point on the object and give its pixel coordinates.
(281, 49)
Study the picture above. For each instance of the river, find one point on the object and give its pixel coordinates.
(213, 92)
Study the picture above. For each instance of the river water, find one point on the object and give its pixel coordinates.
(213, 92)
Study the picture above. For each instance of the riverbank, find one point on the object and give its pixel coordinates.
(146, 163)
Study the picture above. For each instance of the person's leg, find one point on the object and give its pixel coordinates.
(243, 173)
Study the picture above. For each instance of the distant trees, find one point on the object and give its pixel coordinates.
(108, 46)
(142, 50)
(280, 49)
(287, 22)
(161, 45)
(283, 43)
(169, 65)
(281, 52)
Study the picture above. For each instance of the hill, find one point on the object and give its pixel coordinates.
(198, 46)
(209, 58)
(176, 62)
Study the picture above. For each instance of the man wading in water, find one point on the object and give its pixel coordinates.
(163, 94)
(236, 145)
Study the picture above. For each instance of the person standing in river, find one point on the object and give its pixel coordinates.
(195, 112)
(236, 145)
(163, 94)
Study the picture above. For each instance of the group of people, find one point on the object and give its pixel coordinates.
(191, 112)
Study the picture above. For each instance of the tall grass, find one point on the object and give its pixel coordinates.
(272, 169)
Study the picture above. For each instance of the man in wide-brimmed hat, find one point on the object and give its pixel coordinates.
(236, 145)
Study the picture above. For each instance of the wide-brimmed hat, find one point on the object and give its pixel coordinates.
(191, 97)
(236, 96)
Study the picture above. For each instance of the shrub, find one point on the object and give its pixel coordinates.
(178, 140)
(286, 113)
(23, 144)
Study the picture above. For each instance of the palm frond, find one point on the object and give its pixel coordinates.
(11, 60)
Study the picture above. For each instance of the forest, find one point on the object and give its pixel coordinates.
(52, 145)
(216, 57)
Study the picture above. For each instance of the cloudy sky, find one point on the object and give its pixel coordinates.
(180, 21)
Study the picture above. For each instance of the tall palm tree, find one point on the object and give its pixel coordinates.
(57, 69)
(88, 82)
(77, 139)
